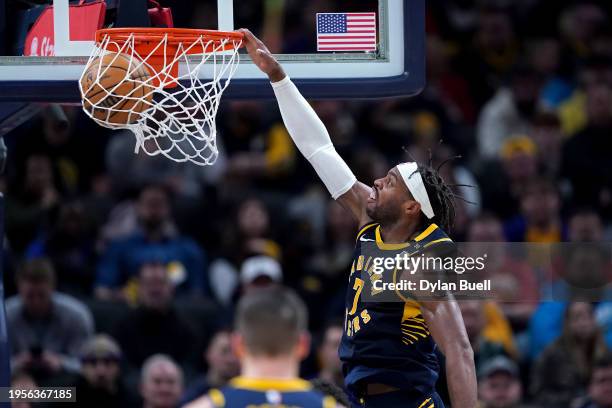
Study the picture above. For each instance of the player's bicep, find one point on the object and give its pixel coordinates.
(354, 200)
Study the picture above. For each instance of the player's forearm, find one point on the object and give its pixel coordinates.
(304, 126)
(461, 376)
(448, 330)
(311, 138)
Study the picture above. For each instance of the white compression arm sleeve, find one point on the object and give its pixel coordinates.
(311, 138)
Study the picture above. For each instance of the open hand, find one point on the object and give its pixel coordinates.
(262, 57)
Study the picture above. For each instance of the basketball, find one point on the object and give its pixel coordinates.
(121, 92)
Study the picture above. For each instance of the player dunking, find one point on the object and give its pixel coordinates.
(388, 349)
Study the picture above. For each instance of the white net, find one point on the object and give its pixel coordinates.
(170, 113)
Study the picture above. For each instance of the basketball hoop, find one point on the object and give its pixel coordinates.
(148, 80)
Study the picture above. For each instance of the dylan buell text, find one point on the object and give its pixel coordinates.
(434, 286)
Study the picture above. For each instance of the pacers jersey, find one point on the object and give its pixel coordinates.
(269, 393)
(384, 341)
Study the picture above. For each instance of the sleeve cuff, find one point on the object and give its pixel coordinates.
(282, 83)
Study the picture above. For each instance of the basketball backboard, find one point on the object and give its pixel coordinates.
(393, 67)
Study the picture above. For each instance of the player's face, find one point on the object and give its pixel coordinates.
(386, 198)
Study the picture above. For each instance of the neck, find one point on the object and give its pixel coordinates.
(283, 367)
(400, 231)
(215, 379)
(545, 224)
(154, 234)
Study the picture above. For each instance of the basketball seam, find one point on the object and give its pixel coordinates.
(138, 103)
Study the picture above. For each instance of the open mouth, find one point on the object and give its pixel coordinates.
(373, 194)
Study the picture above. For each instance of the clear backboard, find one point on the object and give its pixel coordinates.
(294, 30)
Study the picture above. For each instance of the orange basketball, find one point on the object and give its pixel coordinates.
(111, 94)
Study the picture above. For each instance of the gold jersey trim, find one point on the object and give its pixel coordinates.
(277, 384)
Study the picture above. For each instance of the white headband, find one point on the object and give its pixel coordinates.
(413, 180)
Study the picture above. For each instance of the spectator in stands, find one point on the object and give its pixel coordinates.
(327, 353)
(540, 219)
(248, 235)
(70, 245)
(572, 261)
(595, 71)
(475, 322)
(21, 380)
(100, 384)
(254, 228)
(131, 171)
(504, 180)
(259, 271)
(161, 382)
(600, 385)
(563, 370)
(509, 112)
(543, 53)
(46, 328)
(578, 25)
(514, 279)
(33, 203)
(259, 151)
(58, 134)
(446, 81)
(222, 365)
(492, 53)
(585, 225)
(155, 326)
(499, 384)
(155, 238)
(322, 280)
(585, 155)
(547, 136)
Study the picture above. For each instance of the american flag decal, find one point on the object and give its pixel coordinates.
(346, 31)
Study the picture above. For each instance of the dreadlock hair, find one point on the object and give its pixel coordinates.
(441, 197)
(331, 390)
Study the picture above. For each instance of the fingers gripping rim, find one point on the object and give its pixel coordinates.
(171, 113)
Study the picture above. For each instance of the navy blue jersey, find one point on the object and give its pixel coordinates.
(266, 393)
(387, 342)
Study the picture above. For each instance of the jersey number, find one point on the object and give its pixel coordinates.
(358, 286)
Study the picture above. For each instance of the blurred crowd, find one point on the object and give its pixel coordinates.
(122, 271)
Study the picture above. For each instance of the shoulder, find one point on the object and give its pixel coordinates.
(554, 352)
(213, 399)
(13, 305)
(188, 244)
(434, 239)
(68, 303)
(202, 402)
(365, 229)
(71, 307)
(196, 389)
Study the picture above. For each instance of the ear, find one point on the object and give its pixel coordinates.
(412, 208)
(237, 342)
(303, 346)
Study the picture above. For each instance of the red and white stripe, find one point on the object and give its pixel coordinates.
(360, 35)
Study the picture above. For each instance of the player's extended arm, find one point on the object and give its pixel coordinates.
(446, 326)
(309, 134)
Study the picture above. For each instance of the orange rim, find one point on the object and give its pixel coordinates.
(175, 35)
(146, 43)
